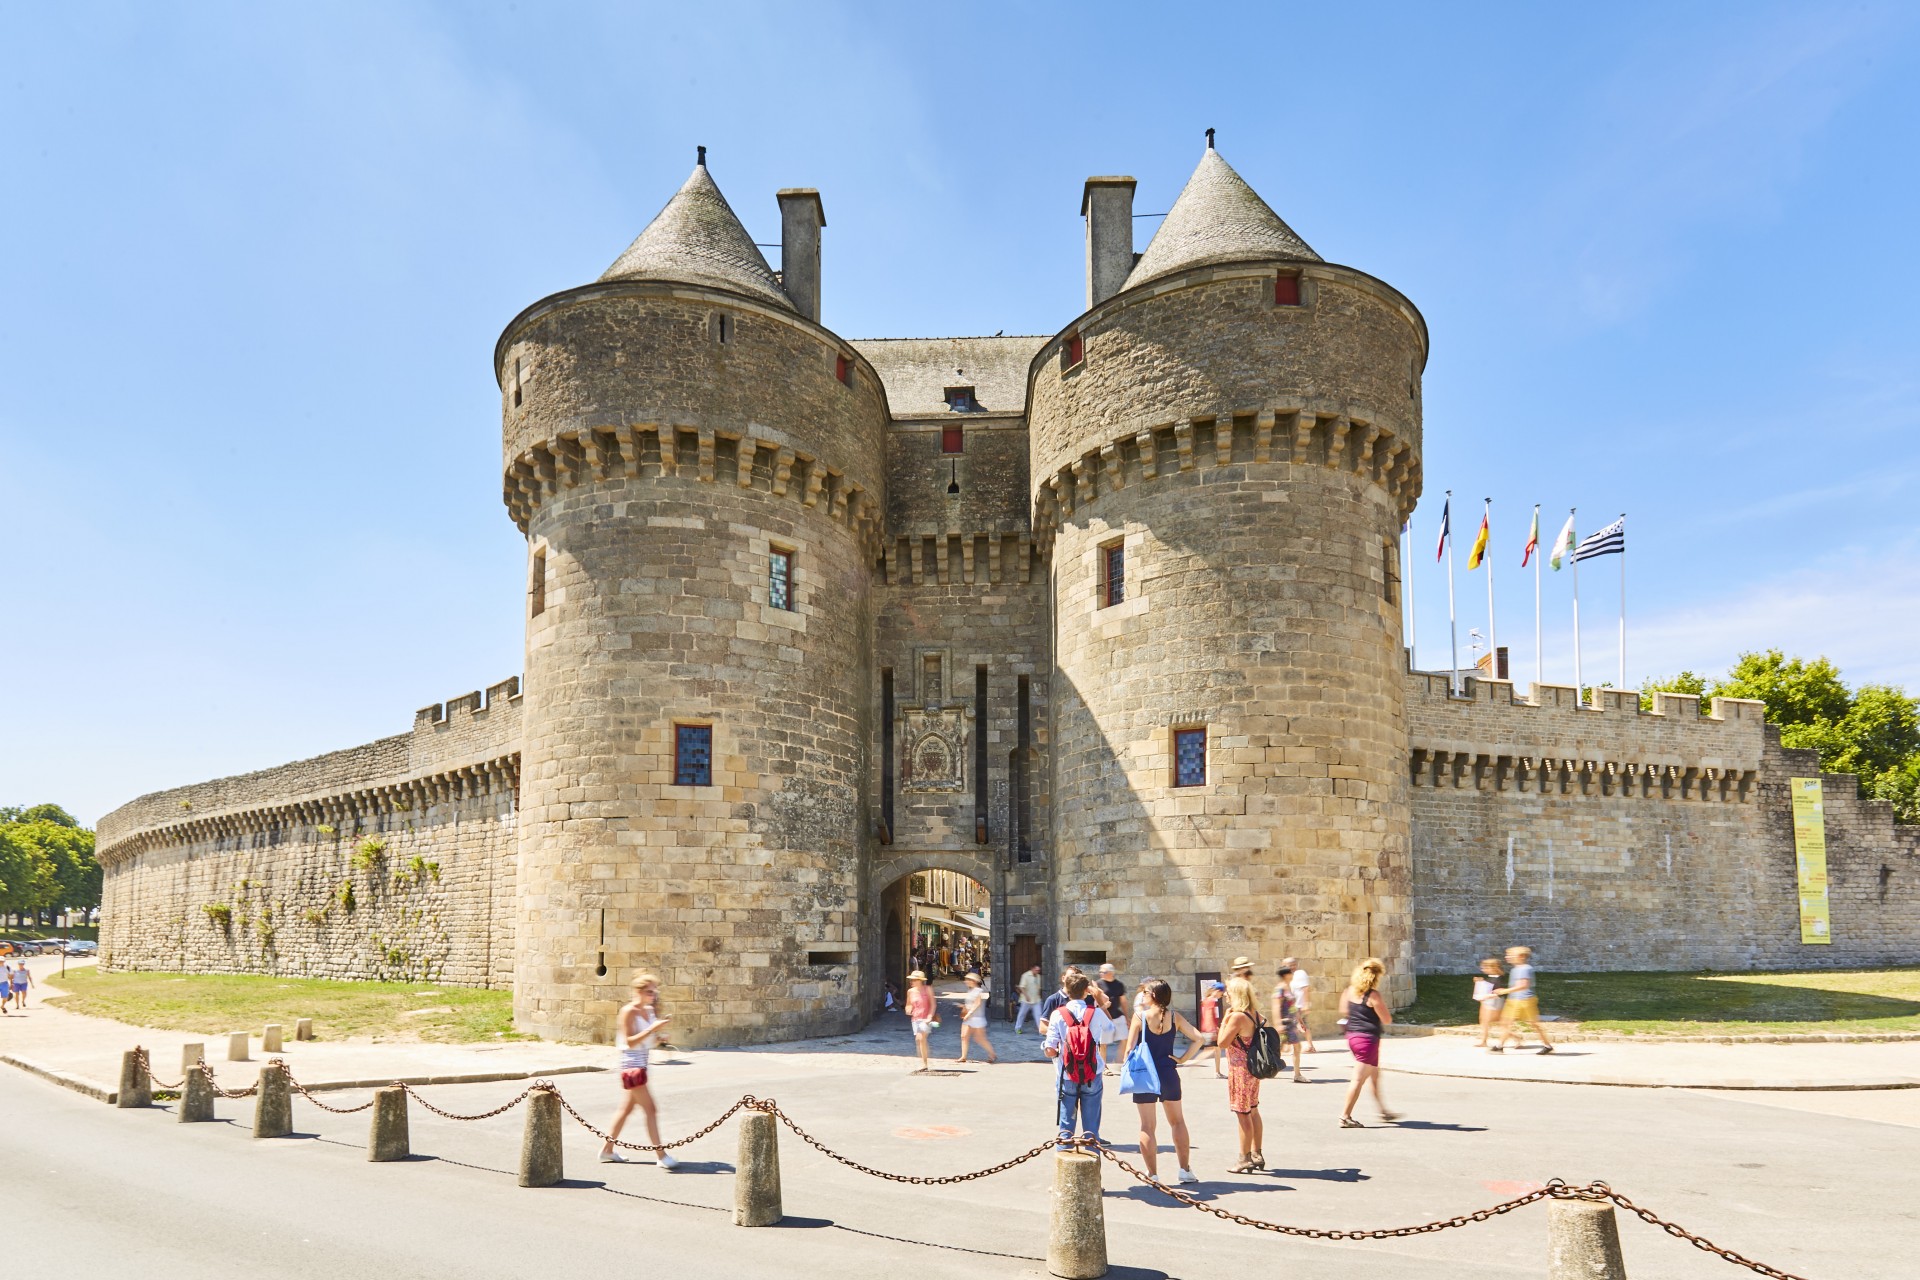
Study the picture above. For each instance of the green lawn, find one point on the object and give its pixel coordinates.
(213, 1004)
(1701, 1004)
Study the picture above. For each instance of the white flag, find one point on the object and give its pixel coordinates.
(1563, 544)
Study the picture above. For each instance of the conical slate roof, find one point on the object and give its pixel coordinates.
(697, 240)
(1218, 218)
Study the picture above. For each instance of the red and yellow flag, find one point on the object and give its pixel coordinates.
(1479, 545)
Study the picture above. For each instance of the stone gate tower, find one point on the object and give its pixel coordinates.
(698, 467)
(1224, 449)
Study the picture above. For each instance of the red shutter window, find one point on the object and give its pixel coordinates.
(953, 440)
(842, 370)
(1286, 291)
(1076, 350)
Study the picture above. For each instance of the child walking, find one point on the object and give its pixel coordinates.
(1487, 997)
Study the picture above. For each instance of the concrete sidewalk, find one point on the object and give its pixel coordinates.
(1670, 1064)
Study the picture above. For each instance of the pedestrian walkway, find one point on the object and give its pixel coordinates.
(1670, 1064)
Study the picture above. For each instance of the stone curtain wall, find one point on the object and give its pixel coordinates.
(1658, 840)
(394, 860)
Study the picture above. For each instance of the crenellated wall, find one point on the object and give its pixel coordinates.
(1614, 838)
(391, 860)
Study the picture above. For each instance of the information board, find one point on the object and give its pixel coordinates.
(1810, 859)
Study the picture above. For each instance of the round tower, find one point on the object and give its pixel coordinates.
(1224, 453)
(698, 468)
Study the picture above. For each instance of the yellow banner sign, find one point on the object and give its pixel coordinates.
(1810, 859)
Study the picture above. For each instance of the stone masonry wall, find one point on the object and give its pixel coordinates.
(1621, 839)
(394, 860)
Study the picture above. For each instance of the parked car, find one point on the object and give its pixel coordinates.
(81, 947)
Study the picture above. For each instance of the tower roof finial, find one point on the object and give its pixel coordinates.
(702, 161)
(1209, 141)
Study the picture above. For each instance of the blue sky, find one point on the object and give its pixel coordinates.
(255, 259)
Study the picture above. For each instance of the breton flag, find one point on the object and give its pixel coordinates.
(1611, 540)
(1479, 544)
(1562, 545)
(1446, 529)
(1533, 539)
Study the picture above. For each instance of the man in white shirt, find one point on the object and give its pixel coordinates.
(1303, 1000)
(1079, 1082)
(1029, 985)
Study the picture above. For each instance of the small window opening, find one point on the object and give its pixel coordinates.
(519, 380)
(537, 585)
(1286, 290)
(693, 755)
(843, 370)
(1189, 757)
(722, 327)
(1390, 571)
(1113, 574)
(780, 579)
(953, 439)
(1073, 351)
(932, 686)
(829, 957)
(960, 400)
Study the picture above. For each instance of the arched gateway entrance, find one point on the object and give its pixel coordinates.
(938, 911)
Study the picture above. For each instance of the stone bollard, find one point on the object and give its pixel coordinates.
(1583, 1241)
(303, 1029)
(756, 1180)
(270, 1039)
(136, 1082)
(541, 1162)
(196, 1096)
(237, 1046)
(387, 1136)
(273, 1104)
(190, 1055)
(1077, 1243)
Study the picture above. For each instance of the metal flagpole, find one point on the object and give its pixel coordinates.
(1453, 625)
(1539, 660)
(1413, 608)
(1623, 599)
(1574, 538)
(1493, 635)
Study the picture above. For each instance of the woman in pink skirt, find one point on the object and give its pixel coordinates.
(1366, 1015)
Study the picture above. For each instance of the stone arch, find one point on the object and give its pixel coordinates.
(888, 870)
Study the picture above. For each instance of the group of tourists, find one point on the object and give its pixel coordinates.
(1082, 1020)
(949, 954)
(923, 1014)
(15, 979)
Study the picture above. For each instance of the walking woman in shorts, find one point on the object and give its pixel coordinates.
(1243, 1087)
(973, 1019)
(635, 1034)
(1155, 1022)
(1367, 1016)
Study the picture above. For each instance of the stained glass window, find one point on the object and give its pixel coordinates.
(1113, 575)
(780, 580)
(1190, 758)
(693, 755)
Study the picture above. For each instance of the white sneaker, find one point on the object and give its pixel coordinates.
(1186, 1177)
(612, 1157)
(667, 1161)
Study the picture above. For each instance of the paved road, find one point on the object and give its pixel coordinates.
(1819, 1194)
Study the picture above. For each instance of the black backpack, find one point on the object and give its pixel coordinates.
(1263, 1050)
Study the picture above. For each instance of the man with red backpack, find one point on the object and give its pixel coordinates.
(1073, 1042)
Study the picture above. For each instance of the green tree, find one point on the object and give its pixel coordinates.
(1797, 692)
(47, 862)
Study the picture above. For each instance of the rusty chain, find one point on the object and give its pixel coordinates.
(748, 1102)
(1556, 1189)
(145, 1064)
(773, 1109)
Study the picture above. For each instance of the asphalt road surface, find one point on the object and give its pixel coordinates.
(1818, 1194)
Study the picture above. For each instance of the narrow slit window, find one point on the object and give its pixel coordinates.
(953, 439)
(780, 579)
(537, 585)
(722, 327)
(519, 380)
(1390, 571)
(1189, 757)
(1286, 290)
(1113, 574)
(693, 755)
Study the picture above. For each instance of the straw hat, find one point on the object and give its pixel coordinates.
(916, 976)
(1241, 962)
(971, 977)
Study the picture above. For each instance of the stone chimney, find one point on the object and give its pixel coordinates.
(1107, 205)
(801, 217)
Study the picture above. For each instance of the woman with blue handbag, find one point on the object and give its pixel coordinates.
(1152, 1074)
